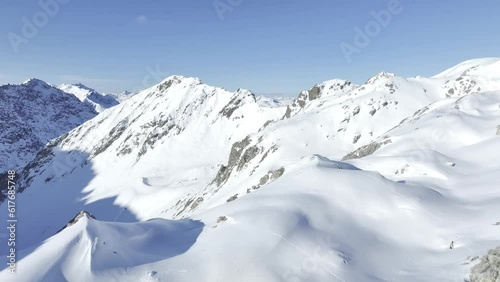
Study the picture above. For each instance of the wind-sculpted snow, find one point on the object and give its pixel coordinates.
(90, 250)
(263, 190)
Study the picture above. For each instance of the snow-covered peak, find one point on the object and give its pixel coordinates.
(178, 79)
(35, 82)
(31, 114)
(123, 96)
(79, 90)
(83, 86)
(335, 87)
(469, 77)
(381, 76)
(336, 81)
(245, 92)
(273, 101)
(88, 95)
(484, 67)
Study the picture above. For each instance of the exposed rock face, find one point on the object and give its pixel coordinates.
(76, 218)
(277, 173)
(301, 101)
(240, 155)
(461, 85)
(498, 129)
(33, 113)
(271, 176)
(241, 97)
(488, 270)
(366, 150)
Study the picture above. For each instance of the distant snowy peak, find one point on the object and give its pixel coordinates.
(123, 96)
(486, 67)
(34, 82)
(38, 85)
(471, 77)
(79, 90)
(33, 113)
(330, 88)
(273, 101)
(178, 79)
(381, 76)
(180, 114)
(88, 95)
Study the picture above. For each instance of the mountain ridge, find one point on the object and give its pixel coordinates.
(268, 185)
(33, 113)
(90, 96)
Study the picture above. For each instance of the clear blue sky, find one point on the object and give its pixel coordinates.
(267, 46)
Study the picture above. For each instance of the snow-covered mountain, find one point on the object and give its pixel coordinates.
(31, 114)
(273, 101)
(392, 180)
(88, 95)
(122, 96)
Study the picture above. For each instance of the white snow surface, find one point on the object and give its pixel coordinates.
(190, 182)
(122, 96)
(99, 101)
(273, 101)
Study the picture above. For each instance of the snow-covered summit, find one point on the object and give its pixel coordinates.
(88, 95)
(485, 67)
(123, 96)
(35, 81)
(273, 101)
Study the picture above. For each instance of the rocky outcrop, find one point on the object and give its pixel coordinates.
(241, 154)
(241, 97)
(75, 219)
(33, 113)
(488, 270)
(463, 85)
(366, 150)
(310, 95)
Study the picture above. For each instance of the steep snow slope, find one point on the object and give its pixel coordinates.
(486, 68)
(88, 95)
(418, 200)
(155, 149)
(472, 76)
(112, 245)
(322, 221)
(30, 115)
(331, 119)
